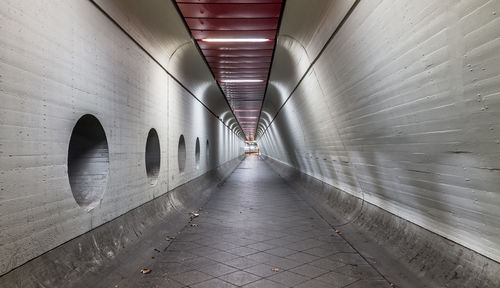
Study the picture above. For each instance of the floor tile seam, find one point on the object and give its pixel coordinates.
(331, 226)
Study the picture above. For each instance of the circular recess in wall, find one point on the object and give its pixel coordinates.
(181, 154)
(197, 153)
(88, 162)
(208, 153)
(153, 157)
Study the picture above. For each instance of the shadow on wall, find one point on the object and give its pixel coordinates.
(153, 157)
(88, 162)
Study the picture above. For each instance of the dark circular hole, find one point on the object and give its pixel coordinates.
(197, 153)
(88, 161)
(181, 154)
(153, 156)
(208, 153)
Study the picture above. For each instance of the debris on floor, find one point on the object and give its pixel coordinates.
(145, 271)
(170, 238)
(194, 225)
(276, 269)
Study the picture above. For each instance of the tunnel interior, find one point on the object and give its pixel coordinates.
(153, 157)
(347, 143)
(88, 161)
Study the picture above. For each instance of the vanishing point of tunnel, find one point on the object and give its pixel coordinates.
(249, 143)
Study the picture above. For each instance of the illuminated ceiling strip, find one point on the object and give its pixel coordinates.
(242, 80)
(253, 40)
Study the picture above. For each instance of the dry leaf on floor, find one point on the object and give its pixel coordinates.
(337, 231)
(145, 271)
(194, 225)
(276, 269)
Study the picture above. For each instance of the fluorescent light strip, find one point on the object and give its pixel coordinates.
(242, 80)
(236, 40)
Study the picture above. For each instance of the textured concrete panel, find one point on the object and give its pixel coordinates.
(400, 109)
(404, 253)
(60, 60)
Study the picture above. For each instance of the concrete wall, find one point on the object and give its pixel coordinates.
(400, 108)
(60, 60)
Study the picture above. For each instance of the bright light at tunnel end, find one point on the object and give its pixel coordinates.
(242, 80)
(236, 40)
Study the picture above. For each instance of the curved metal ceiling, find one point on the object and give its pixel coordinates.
(237, 39)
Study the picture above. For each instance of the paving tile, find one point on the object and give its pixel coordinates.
(281, 251)
(316, 284)
(288, 278)
(239, 278)
(171, 268)
(222, 256)
(264, 283)
(217, 269)
(309, 271)
(302, 257)
(191, 277)
(326, 264)
(261, 246)
(212, 283)
(348, 258)
(242, 251)
(275, 229)
(370, 284)
(194, 263)
(262, 270)
(336, 279)
(203, 250)
(320, 252)
(241, 263)
(284, 263)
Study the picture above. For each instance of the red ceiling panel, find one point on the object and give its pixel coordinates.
(238, 53)
(233, 70)
(202, 34)
(231, 25)
(239, 65)
(241, 61)
(236, 46)
(229, 10)
(229, 1)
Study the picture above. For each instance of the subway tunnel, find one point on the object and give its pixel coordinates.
(125, 127)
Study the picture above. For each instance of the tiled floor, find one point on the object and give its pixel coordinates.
(257, 232)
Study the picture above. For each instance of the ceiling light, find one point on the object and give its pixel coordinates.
(242, 80)
(236, 40)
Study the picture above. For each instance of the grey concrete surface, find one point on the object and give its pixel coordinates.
(253, 224)
(395, 102)
(126, 240)
(423, 258)
(60, 60)
(387, 108)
